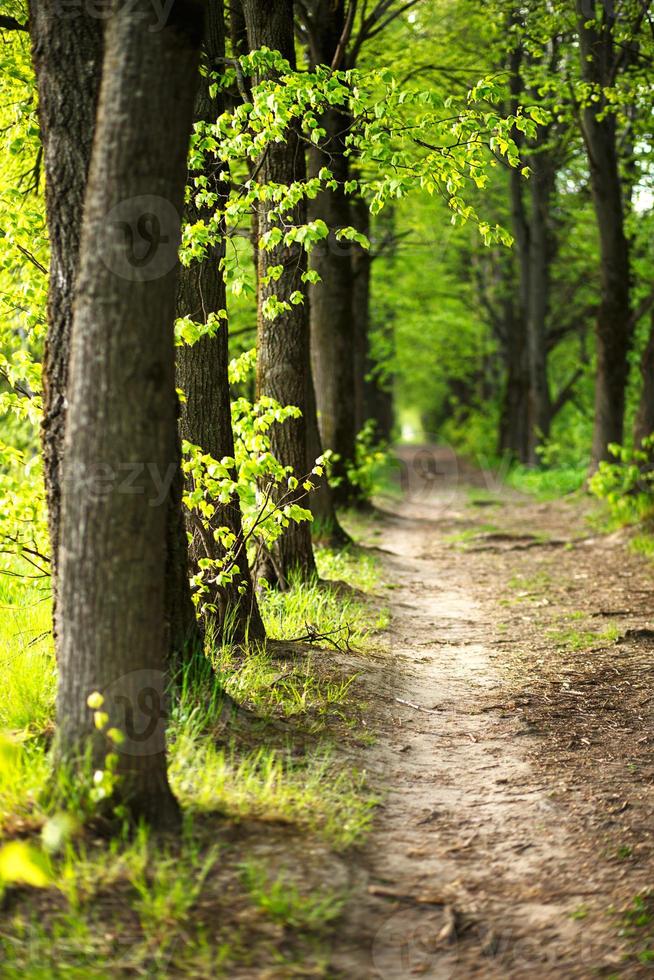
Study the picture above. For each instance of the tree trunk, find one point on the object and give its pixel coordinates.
(121, 427)
(541, 186)
(517, 333)
(184, 637)
(644, 423)
(361, 268)
(67, 56)
(282, 344)
(332, 305)
(202, 375)
(326, 525)
(514, 415)
(332, 350)
(614, 328)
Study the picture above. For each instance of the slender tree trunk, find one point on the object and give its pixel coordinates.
(514, 416)
(331, 306)
(120, 449)
(361, 269)
(614, 328)
(332, 299)
(541, 186)
(282, 344)
(67, 56)
(644, 423)
(202, 375)
(372, 401)
(184, 636)
(520, 351)
(326, 525)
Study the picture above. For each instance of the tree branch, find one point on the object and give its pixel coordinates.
(11, 24)
(565, 394)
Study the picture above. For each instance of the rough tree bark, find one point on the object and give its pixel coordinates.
(67, 57)
(371, 399)
(361, 269)
(202, 373)
(282, 344)
(526, 334)
(120, 444)
(541, 187)
(514, 415)
(614, 326)
(332, 349)
(644, 422)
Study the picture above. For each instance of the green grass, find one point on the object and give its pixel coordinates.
(280, 899)
(538, 582)
(327, 608)
(643, 544)
(470, 534)
(27, 667)
(270, 785)
(637, 925)
(547, 484)
(577, 640)
(272, 687)
(133, 907)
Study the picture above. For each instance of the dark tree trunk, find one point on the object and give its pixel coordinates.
(332, 350)
(282, 345)
(514, 415)
(184, 636)
(67, 55)
(120, 449)
(516, 430)
(361, 267)
(326, 526)
(614, 327)
(541, 186)
(331, 307)
(644, 423)
(202, 375)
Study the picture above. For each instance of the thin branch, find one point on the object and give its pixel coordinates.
(11, 24)
(565, 394)
(345, 36)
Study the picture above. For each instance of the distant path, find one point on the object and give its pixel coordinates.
(519, 801)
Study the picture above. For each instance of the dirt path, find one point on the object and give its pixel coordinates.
(514, 743)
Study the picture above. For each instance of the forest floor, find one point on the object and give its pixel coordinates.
(514, 721)
(466, 793)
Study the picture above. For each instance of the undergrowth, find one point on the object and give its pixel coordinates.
(549, 483)
(134, 907)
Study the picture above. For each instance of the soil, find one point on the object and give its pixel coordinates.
(514, 722)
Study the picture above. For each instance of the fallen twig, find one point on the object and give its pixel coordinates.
(418, 707)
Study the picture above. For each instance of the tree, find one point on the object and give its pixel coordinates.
(332, 298)
(202, 369)
(121, 425)
(601, 60)
(67, 56)
(282, 339)
(534, 244)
